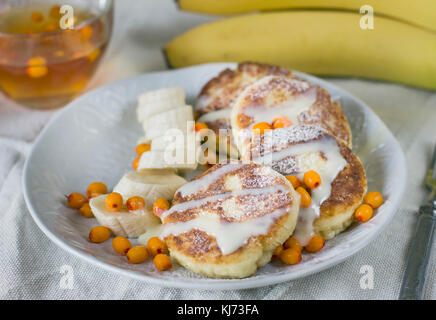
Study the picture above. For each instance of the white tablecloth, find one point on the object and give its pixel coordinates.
(30, 263)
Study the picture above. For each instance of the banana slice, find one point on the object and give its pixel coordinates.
(123, 223)
(159, 159)
(159, 124)
(150, 185)
(157, 101)
(150, 233)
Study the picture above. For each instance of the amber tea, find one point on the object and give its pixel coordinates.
(42, 65)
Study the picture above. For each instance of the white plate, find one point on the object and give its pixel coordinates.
(94, 138)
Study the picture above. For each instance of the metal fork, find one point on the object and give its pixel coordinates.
(422, 243)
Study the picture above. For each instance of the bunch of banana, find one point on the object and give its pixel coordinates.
(165, 117)
(421, 12)
(326, 43)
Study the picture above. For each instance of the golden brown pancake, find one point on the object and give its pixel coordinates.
(298, 149)
(218, 95)
(298, 100)
(227, 222)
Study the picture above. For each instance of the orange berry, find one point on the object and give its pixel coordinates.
(294, 181)
(315, 244)
(261, 127)
(137, 254)
(36, 16)
(135, 203)
(86, 211)
(363, 213)
(162, 262)
(96, 189)
(55, 11)
(200, 126)
(50, 27)
(293, 243)
(306, 200)
(160, 206)
(277, 251)
(99, 234)
(156, 246)
(76, 200)
(143, 147)
(86, 33)
(94, 55)
(135, 163)
(291, 256)
(36, 61)
(312, 179)
(374, 199)
(36, 72)
(121, 245)
(281, 122)
(114, 201)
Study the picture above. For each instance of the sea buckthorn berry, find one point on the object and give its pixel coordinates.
(137, 254)
(55, 12)
(86, 211)
(99, 234)
(293, 243)
(162, 262)
(94, 55)
(50, 27)
(156, 246)
(121, 245)
(306, 199)
(143, 147)
(363, 213)
(114, 201)
(96, 189)
(312, 179)
(36, 67)
(261, 127)
(135, 203)
(294, 181)
(160, 206)
(135, 163)
(36, 16)
(76, 200)
(291, 256)
(281, 122)
(86, 33)
(374, 199)
(200, 126)
(315, 244)
(278, 251)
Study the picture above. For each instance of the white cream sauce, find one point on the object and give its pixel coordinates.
(328, 170)
(230, 236)
(291, 109)
(204, 182)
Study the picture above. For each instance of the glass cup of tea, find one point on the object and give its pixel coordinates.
(49, 50)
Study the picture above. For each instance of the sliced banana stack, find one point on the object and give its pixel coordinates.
(159, 124)
(169, 126)
(150, 185)
(123, 223)
(157, 101)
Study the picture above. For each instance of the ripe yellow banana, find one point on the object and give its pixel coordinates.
(419, 12)
(327, 43)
